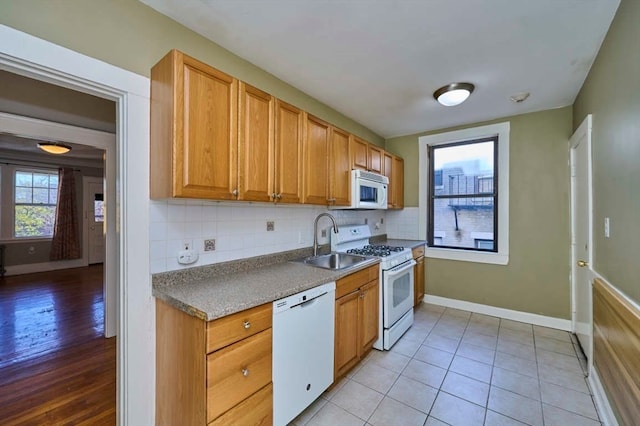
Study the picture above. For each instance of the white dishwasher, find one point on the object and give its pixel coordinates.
(303, 332)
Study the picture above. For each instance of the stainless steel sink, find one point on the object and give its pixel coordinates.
(335, 261)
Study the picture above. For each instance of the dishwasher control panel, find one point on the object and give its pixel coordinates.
(302, 297)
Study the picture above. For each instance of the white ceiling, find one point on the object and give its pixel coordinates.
(379, 61)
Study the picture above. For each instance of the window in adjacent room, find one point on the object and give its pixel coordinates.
(464, 194)
(35, 199)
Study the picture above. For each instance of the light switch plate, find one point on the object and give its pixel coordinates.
(607, 228)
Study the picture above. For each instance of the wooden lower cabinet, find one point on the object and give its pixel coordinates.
(216, 372)
(356, 326)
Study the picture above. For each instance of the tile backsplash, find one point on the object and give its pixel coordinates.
(239, 229)
(403, 224)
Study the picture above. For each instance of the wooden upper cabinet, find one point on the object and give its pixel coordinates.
(359, 155)
(193, 130)
(289, 139)
(317, 146)
(255, 144)
(365, 156)
(387, 170)
(340, 185)
(397, 182)
(374, 159)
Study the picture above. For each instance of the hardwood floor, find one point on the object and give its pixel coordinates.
(56, 368)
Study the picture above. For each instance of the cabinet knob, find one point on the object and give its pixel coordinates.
(245, 372)
(235, 192)
(246, 325)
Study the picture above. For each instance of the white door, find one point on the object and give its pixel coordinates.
(94, 212)
(581, 221)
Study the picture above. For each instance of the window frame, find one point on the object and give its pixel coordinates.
(494, 194)
(28, 169)
(501, 130)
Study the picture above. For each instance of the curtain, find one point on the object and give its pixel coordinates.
(66, 244)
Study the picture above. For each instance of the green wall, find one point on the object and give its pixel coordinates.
(536, 280)
(612, 94)
(131, 35)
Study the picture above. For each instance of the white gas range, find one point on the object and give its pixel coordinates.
(396, 280)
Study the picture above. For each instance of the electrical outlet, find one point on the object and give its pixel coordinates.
(607, 228)
(381, 220)
(271, 225)
(209, 245)
(366, 221)
(323, 233)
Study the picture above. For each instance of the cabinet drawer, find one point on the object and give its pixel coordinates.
(237, 371)
(418, 251)
(253, 411)
(352, 282)
(233, 328)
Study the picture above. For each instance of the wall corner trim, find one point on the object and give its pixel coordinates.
(535, 319)
(600, 398)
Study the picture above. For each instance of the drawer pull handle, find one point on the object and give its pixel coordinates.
(246, 324)
(245, 372)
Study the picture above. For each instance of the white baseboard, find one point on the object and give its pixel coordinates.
(541, 320)
(31, 268)
(602, 402)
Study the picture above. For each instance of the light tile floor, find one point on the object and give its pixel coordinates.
(460, 368)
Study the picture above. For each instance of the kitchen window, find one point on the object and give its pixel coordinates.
(35, 199)
(464, 203)
(464, 181)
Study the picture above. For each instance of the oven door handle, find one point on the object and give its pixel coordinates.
(397, 270)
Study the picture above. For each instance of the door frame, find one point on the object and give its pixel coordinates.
(26, 55)
(86, 181)
(583, 131)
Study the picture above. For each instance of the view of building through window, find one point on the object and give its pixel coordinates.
(98, 208)
(463, 195)
(35, 203)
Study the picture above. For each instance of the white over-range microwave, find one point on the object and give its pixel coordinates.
(368, 191)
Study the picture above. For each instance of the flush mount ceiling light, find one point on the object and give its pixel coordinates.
(453, 94)
(54, 147)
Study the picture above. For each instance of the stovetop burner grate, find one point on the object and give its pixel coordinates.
(376, 250)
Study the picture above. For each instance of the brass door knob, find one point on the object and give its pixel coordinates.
(582, 263)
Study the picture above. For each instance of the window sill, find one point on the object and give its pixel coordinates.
(468, 256)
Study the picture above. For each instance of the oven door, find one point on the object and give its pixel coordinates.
(397, 292)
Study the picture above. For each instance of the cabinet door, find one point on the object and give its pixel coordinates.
(289, 138)
(387, 168)
(374, 159)
(418, 288)
(398, 182)
(205, 160)
(316, 161)
(358, 153)
(340, 188)
(369, 311)
(347, 347)
(256, 144)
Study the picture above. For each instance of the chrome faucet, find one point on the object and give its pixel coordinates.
(315, 230)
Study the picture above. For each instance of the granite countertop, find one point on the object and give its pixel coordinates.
(214, 291)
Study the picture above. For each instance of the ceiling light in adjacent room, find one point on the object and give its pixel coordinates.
(54, 147)
(454, 93)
